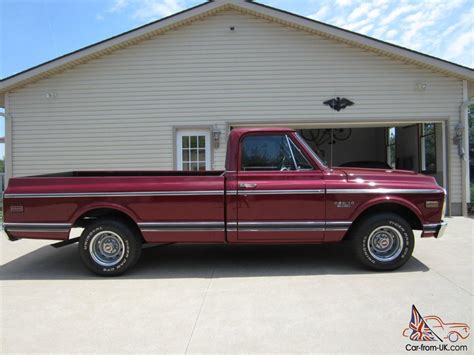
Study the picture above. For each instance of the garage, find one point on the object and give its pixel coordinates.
(165, 95)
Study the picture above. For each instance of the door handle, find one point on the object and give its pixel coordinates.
(247, 186)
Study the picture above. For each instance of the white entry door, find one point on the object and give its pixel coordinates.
(193, 150)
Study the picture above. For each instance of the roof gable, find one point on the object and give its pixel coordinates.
(246, 6)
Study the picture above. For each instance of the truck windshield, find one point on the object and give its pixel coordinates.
(310, 150)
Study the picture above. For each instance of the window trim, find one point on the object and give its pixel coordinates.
(179, 132)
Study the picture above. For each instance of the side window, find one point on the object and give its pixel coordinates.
(266, 153)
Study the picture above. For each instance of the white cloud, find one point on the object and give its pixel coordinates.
(391, 34)
(396, 13)
(365, 30)
(344, 2)
(462, 45)
(119, 5)
(359, 11)
(379, 3)
(373, 13)
(379, 31)
(320, 14)
(147, 10)
(354, 26)
(154, 9)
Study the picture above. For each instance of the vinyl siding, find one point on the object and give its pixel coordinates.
(118, 111)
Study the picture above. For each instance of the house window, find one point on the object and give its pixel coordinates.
(428, 148)
(391, 146)
(193, 150)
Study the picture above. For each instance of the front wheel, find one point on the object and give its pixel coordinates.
(109, 247)
(383, 242)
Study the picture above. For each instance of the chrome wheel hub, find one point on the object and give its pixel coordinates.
(107, 248)
(385, 243)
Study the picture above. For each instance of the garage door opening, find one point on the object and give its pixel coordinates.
(416, 147)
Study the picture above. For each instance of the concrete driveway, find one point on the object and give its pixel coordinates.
(221, 299)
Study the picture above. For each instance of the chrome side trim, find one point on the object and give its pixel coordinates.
(176, 230)
(182, 226)
(117, 194)
(283, 224)
(298, 226)
(383, 191)
(276, 192)
(279, 229)
(37, 227)
(338, 226)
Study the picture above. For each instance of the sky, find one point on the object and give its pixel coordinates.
(35, 31)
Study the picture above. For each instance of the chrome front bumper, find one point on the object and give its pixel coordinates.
(436, 230)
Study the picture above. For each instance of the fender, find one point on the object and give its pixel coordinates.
(387, 199)
(94, 206)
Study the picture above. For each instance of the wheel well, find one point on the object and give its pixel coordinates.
(404, 212)
(93, 215)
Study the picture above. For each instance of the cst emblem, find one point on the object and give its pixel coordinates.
(344, 204)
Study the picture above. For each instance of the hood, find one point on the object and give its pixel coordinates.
(377, 177)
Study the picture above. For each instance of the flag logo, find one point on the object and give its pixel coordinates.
(420, 331)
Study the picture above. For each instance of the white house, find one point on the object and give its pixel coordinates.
(165, 95)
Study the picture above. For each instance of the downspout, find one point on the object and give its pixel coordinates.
(463, 147)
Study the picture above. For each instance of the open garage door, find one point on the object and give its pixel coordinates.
(417, 147)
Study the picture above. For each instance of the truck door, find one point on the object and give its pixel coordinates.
(280, 193)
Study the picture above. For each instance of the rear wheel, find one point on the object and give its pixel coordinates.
(453, 337)
(109, 247)
(383, 241)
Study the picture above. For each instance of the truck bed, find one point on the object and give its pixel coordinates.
(164, 204)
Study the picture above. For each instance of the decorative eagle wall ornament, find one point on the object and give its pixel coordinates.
(338, 104)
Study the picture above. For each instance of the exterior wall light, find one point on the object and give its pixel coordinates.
(458, 139)
(419, 86)
(51, 95)
(216, 138)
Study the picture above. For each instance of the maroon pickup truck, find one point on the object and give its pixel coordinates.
(275, 190)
